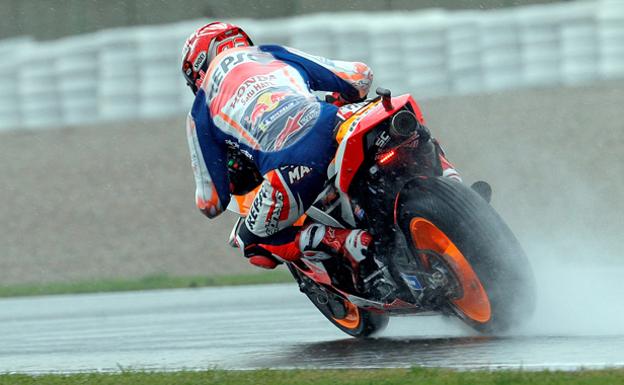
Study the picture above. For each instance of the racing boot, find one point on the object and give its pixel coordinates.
(321, 242)
(448, 170)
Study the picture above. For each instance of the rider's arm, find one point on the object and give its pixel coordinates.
(351, 79)
(209, 163)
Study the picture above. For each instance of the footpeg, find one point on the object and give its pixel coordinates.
(483, 189)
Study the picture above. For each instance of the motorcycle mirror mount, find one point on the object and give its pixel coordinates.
(386, 97)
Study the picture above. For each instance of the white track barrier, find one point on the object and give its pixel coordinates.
(77, 78)
(10, 116)
(132, 73)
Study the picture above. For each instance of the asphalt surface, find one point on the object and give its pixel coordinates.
(274, 326)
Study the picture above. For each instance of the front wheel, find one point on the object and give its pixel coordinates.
(444, 218)
(346, 316)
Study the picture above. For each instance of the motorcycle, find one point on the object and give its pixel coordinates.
(440, 246)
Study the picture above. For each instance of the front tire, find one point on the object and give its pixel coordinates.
(494, 273)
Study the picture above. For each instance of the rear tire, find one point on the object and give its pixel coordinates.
(355, 321)
(484, 240)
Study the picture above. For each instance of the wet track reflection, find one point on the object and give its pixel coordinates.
(259, 327)
(457, 352)
(397, 352)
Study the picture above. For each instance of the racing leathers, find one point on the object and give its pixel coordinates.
(259, 102)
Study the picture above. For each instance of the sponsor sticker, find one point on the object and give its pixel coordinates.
(347, 111)
(295, 123)
(412, 281)
(295, 174)
(230, 61)
(272, 224)
(185, 51)
(199, 61)
(275, 115)
(382, 139)
(266, 102)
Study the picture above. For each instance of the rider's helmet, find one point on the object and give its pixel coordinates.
(206, 43)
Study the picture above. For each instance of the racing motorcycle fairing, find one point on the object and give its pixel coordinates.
(352, 136)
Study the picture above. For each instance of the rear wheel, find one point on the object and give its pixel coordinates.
(346, 316)
(495, 288)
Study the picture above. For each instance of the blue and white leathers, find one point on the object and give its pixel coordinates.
(259, 101)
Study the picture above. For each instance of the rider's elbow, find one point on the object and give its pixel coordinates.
(209, 212)
(210, 208)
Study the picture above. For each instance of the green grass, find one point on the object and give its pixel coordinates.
(151, 282)
(327, 377)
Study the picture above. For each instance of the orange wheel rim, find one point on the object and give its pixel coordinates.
(474, 302)
(352, 319)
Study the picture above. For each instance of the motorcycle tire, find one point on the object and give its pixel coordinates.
(346, 316)
(496, 284)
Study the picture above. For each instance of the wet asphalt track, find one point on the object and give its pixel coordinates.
(258, 327)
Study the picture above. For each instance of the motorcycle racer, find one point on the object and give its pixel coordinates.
(256, 121)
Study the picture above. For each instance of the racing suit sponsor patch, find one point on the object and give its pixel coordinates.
(273, 219)
(262, 200)
(296, 173)
(266, 102)
(228, 63)
(304, 118)
(199, 61)
(275, 114)
(250, 88)
(265, 211)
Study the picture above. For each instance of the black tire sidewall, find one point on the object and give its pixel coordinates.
(483, 238)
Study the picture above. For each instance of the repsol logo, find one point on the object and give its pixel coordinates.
(252, 218)
(228, 63)
(256, 206)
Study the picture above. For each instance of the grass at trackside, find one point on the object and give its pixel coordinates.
(152, 282)
(327, 377)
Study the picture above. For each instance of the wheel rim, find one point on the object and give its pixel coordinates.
(352, 319)
(474, 303)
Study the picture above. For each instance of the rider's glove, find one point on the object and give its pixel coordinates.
(336, 99)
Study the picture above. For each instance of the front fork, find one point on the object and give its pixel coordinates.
(420, 278)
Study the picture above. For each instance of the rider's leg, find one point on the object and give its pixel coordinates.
(354, 245)
(448, 170)
(267, 234)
